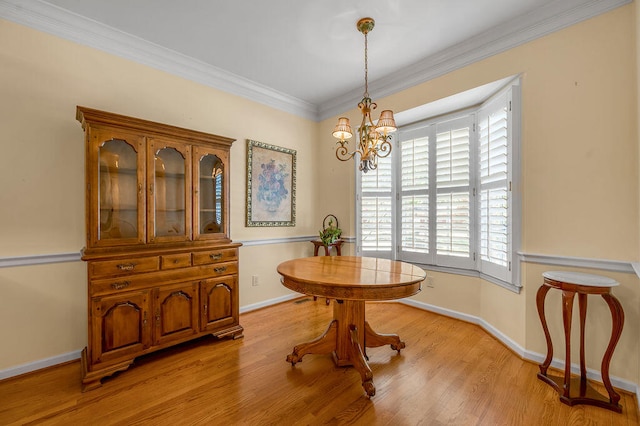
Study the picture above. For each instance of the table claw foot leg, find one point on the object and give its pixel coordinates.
(359, 362)
(293, 358)
(373, 339)
(397, 347)
(369, 388)
(324, 344)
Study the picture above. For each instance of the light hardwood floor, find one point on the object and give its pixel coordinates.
(450, 373)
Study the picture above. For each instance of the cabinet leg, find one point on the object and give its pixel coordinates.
(92, 379)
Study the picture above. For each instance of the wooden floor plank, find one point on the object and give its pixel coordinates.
(451, 372)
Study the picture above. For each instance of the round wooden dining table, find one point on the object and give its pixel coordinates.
(350, 281)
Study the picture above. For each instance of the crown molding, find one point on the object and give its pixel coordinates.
(62, 23)
(549, 18)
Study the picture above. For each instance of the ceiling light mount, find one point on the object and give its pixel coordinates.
(365, 25)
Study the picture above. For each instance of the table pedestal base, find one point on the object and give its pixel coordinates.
(345, 338)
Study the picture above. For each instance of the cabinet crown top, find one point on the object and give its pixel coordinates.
(88, 116)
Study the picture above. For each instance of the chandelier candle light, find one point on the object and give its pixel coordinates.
(373, 139)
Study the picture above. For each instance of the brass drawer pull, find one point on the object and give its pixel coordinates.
(120, 285)
(220, 269)
(215, 256)
(126, 266)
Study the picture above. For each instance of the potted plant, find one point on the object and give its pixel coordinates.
(331, 232)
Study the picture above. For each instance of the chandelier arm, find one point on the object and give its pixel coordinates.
(342, 153)
(385, 148)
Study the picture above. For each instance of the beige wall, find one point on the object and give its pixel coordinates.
(579, 188)
(42, 79)
(579, 176)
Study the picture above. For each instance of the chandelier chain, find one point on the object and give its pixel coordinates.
(366, 67)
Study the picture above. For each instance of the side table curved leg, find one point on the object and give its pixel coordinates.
(582, 303)
(540, 297)
(359, 362)
(617, 316)
(567, 314)
(324, 344)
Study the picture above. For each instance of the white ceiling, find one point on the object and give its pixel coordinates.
(303, 56)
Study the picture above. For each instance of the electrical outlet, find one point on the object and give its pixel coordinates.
(430, 281)
(254, 280)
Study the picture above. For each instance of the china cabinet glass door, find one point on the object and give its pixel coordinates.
(169, 177)
(211, 194)
(119, 218)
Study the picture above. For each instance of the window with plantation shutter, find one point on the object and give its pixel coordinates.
(494, 182)
(453, 198)
(434, 193)
(414, 195)
(376, 210)
(445, 197)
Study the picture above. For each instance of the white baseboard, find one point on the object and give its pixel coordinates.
(519, 350)
(265, 303)
(40, 364)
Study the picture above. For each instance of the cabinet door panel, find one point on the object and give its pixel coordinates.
(169, 181)
(211, 193)
(116, 188)
(176, 312)
(120, 325)
(219, 299)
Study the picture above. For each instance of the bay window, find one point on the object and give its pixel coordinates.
(445, 197)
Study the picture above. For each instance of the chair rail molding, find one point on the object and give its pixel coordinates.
(626, 266)
(39, 259)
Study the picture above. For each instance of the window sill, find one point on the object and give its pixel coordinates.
(471, 273)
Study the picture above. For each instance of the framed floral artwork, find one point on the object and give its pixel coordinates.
(271, 185)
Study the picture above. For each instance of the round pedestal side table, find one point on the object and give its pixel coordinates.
(574, 391)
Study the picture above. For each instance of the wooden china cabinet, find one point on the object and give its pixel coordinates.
(161, 267)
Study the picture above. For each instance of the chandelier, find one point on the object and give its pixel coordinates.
(373, 139)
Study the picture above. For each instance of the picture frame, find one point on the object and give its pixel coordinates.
(271, 185)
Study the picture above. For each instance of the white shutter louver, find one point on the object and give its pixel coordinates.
(493, 191)
(414, 195)
(376, 216)
(453, 211)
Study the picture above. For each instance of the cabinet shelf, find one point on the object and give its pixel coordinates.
(167, 175)
(118, 170)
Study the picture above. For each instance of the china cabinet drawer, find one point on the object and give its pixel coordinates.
(214, 256)
(174, 261)
(226, 268)
(116, 285)
(124, 266)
